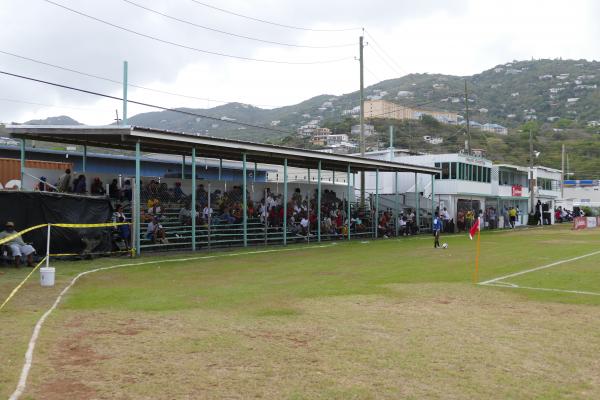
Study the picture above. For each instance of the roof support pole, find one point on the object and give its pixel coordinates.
(244, 200)
(84, 159)
(220, 168)
(255, 171)
(193, 208)
(417, 205)
(433, 200)
(396, 204)
(377, 202)
(22, 163)
(348, 216)
(183, 167)
(285, 200)
(319, 202)
(137, 198)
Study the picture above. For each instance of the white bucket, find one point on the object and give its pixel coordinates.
(47, 276)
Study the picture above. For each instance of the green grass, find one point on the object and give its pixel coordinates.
(383, 319)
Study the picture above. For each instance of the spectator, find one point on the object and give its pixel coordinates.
(123, 230)
(127, 192)
(97, 187)
(178, 192)
(155, 231)
(64, 182)
(79, 185)
(113, 190)
(18, 248)
(154, 208)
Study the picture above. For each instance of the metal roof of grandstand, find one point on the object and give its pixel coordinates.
(169, 142)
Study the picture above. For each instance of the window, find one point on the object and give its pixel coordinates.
(489, 175)
(445, 170)
(461, 171)
(453, 170)
(437, 165)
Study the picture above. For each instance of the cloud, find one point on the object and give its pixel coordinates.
(459, 37)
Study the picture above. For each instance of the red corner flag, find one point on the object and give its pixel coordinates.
(474, 229)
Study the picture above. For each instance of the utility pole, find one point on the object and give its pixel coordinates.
(362, 119)
(125, 72)
(562, 174)
(468, 123)
(391, 142)
(531, 180)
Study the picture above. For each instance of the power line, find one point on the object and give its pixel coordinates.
(271, 22)
(245, 124)
(183, 46)
(121, 83)
(394, 70)
(233, 34)
(386, 53)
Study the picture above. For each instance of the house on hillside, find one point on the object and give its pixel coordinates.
(494, 128)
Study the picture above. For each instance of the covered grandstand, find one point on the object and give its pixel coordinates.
(317, 199)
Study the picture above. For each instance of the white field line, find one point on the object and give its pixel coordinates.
(513, 286)
(38, 326)
(500, 278)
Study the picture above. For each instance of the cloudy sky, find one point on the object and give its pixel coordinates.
(444, 36)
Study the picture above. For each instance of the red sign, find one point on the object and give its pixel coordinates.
(517, 190)
(579, 223)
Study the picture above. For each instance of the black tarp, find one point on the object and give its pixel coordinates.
(27, 209)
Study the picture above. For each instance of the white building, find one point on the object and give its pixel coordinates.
(468, 183)
(369, 130)
(494, 128)
(581, 193)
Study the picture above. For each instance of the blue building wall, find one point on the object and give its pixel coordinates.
(125, 165)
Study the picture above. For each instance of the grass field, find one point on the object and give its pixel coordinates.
(382, 319)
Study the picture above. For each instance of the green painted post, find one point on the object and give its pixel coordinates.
(244, 200)
(348, 200)
(376, 202)
(220, 168)
(183, 167)
(285, 200)
(193, 210)
(137, 197)
(333, 176)
(417, 204)
(432, 200)
(125, 93)
(396, 202)
(255, 171)
(319, 202)
(84, 159)
(22, 163)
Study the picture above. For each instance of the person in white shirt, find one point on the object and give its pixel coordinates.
(304, 224)
(207, 213)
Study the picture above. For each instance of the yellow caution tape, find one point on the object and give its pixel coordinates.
(15, 290)
(103, 225)
(17, 234)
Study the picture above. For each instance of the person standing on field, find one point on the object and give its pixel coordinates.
(437, 228)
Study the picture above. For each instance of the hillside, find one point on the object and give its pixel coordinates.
(507, 94)
(60, 120)
(558, 98)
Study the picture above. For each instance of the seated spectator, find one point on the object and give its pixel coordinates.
(185, 215)
(155, 231)
(402, 227)
(304, 225)
(226, 217)
(207, 213)
(97, 188)
(18, 248)
(154, 207)
(43, 186)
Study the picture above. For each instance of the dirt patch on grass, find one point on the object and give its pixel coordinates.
(62, 389)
